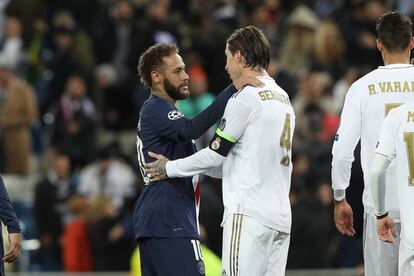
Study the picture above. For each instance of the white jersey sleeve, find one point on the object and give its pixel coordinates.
(234, 122)
(386, 144)
(385, 152)
(377, 182)
(346, 139)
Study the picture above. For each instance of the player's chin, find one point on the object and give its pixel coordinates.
(184, 91)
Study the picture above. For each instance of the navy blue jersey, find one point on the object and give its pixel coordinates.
(8, 217)
(167, 209)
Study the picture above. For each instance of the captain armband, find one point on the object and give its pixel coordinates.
(221, 143)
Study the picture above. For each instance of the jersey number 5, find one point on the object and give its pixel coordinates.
(285, 142)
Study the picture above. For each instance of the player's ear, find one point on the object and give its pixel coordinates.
(411, 45)
(156, 77)
(380, 46)
(239, 57)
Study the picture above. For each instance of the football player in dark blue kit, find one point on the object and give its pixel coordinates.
(166, 214)
(8, 217)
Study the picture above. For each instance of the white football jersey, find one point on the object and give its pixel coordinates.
(367, 103)
(257, 170)
(397, 141)
(259, 122)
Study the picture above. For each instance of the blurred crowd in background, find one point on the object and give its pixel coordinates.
(70, 99)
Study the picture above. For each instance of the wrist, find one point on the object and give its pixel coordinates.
(381, 215)
(339, 196)
(170, 168)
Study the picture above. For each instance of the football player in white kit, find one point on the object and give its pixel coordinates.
(253, 143)
(396, 141)
(367, 103)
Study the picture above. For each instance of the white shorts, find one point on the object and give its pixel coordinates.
(380, 258)
(250, 248)
(406, 261)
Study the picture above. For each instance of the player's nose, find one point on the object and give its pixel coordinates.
(185, 76)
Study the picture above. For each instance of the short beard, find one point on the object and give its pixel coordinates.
(174, 91)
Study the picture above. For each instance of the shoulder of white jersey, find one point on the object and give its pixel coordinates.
(247, 95)
(401, 110)
(244, 89)
(367, 78)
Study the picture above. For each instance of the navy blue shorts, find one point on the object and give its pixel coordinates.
(166, 257)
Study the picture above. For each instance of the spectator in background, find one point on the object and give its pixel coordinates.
(329, 49)
(114, 99)
(296, 48)
(358, 29)
(282, 77)
(74, 127)
(341, 87)
(313, 232)
(111, 244)
(51, 211)
(69, 51)
(266, 15)
(108, 176)
(115, 37)
(76, 243)
(313, 89)
(18, 110)
(12, 42)
(8, 218)
(3, 6)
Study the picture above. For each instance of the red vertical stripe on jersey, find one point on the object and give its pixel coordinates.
(197, 193)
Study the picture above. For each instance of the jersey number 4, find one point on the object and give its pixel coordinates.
(285, 141)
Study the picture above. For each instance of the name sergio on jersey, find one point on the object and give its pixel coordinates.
(391, 86)
(268, 95)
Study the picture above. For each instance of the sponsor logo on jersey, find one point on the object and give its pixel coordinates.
(222, 124)
(223, 273)
(174, 115)
(200, 267)
(215, 145)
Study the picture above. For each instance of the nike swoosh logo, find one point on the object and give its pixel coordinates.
(177, 229)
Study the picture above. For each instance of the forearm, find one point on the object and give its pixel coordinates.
(341, 174)
(377, 182)
(197, 163)
(7, 214)
(203, 121)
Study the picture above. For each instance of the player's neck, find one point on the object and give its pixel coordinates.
(395, 58)
(163, 95)
(254, 73)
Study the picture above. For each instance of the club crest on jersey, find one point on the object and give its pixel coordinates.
(174, 115)
(222, 124)
(215, 145)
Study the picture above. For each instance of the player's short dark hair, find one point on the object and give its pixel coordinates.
(394, 30)
(252, 44)
(152, 59)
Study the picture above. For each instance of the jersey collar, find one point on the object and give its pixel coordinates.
(396, 66)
